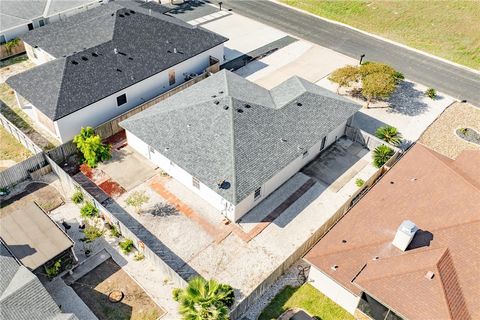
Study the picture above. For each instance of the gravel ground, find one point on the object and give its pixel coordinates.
(288, 278)
(441, 137)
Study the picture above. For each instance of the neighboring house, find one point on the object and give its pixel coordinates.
(105, 61)
(410, 248)
(18, 17)
(22, 295)
(35, 239)
(234, 142)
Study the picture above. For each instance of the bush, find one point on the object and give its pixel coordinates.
(126, 246)
(431, 93)
(381, 155)
(376, 67)
(77, 197)
(54, 269)
(138, 256)
(359, 182)
(398, 77)
(91, 147)
(114, 232)
(377, 85)
(345, 76)
(137, 199)
(389, 134)
(91, 233)
(88, 210)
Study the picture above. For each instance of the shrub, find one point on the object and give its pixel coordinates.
(203, 299)
(54, 269)
(389, 134)
(91, 147)
(137, 199)
(126, 246)
(91, 233)
(345, 76)
(88, 210)
(376, 67)
(138, 256)
(114, 232)
(377, 85)
(381, 154)
(77, 197)
(398, 77)
(359, 182)
(9, 45)
(431, 93)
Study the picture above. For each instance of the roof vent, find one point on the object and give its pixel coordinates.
(214, 96)
(240, 110)
(167, 148)
(127, 14)
(375, 258)
(94, 54)
(283, 140)
(248, 106)
(189, 125)
(221, 92)
(121, 15)
(132, 12)
(130, 58)
(334, 267)
(216, 102)
(175, 50)
(84, 58)
(225, 107)
(405, 233)
(74, 62)
(115, 50)
(429, 275)
(119, 70)
(224, 185)
(299, 104)
(344, 241)
(112, 14)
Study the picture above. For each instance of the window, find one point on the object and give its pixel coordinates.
(41, 23)
(258, 193)
(305, 154)
(196, 183)
(121, 99)
(2, 39)
(30, 26)
(171, 77)
(324, 140)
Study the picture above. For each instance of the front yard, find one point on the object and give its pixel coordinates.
(307, 298)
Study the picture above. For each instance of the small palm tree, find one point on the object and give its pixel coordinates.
(381, 154)
(203, 300)
(389, 134)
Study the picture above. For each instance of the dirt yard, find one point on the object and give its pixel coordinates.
(46, 196)
(109, 279)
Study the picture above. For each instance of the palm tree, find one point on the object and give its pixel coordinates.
(389, 134)
(203, 300)
(381, 154)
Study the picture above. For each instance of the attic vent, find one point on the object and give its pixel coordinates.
(299, 104)
(240, 110)
(74, 62)
(225, 107)
(121, 15)
(94, 54)
(84, 58)
(216, 102)
(119, 70)
(429, 275)
(248, 106)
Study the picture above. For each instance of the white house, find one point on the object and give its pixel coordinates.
(234, 142)
(106, 61)
(19, 17)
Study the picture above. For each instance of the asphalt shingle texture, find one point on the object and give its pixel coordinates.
(226, 128)
(144, 44)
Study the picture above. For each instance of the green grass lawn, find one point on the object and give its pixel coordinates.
(307, 298)
(448, 29)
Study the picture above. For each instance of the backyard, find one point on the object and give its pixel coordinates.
(307, 298)
(11, 151)
(448, 29)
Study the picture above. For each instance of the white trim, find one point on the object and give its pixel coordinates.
(380, 38)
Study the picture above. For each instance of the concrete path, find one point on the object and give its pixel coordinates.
(455, 81)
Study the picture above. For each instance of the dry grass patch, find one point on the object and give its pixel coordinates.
(11, 149)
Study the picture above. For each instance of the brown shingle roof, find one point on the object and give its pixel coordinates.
(442, 197)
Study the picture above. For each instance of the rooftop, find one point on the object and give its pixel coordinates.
(442, 197)
(102, 51)
(31, 236)
(228, 129)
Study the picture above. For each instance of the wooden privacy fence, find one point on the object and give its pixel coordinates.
(22, 170)
(7, 53)
(19, 135)
(365, 138)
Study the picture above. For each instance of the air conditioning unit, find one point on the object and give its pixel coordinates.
(405, 233)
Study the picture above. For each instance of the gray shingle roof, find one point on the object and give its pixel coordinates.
(145, 44)
(22, 295)
(194, 129)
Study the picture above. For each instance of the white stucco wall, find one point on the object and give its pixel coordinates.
(40, 56)
(106, 109)
(179, 174)
(333, 290)
(15, 32)
(283, 175)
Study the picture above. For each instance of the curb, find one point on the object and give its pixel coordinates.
(378, 37)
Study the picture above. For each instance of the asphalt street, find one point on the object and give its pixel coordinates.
(455, 81)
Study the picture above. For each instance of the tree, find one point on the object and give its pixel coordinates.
(91, 147)
(377, 85)
(204, 300)
(377, 67)
(381, 155)
(88, 210)
(389, 134)
(136, 200)
(345, 76)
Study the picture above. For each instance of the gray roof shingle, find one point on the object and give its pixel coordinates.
(144, 43)
(202, 131)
